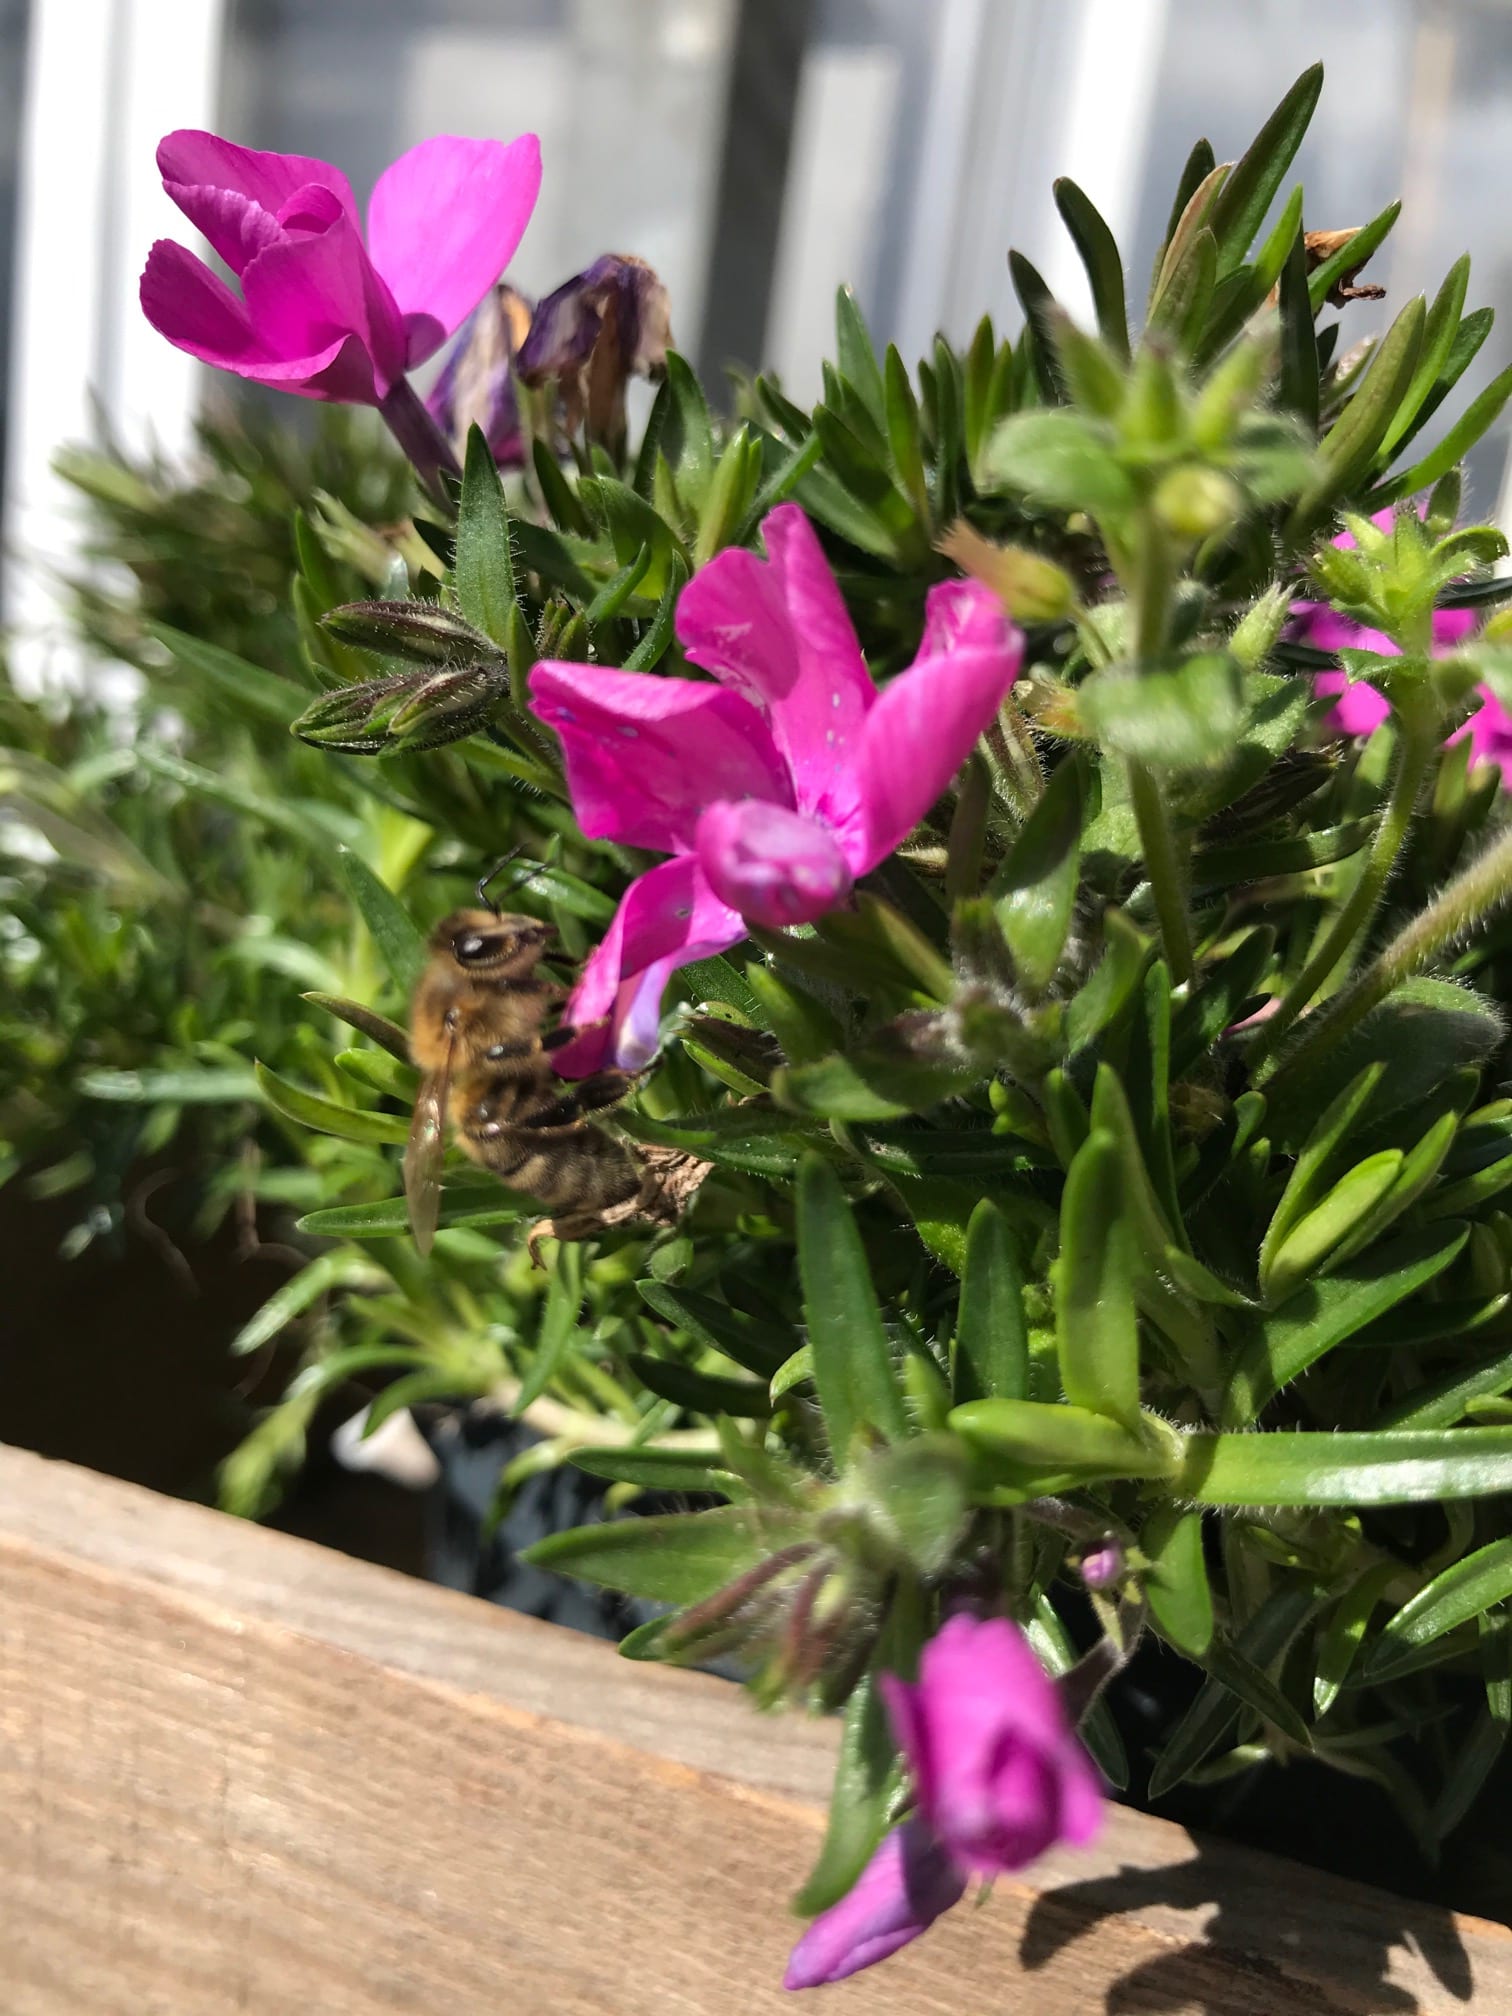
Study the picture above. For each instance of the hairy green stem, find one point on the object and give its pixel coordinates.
(1468, 900)
(425, 446)
(1419, 739)
(1165, 869)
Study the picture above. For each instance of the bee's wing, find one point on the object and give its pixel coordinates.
(424, 1153)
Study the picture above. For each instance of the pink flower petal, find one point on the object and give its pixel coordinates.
(774, 866)
(646, 754)
(1490, 733)
(1451, 627)
(998, 1772)
(777, 631)
(1321, 625)
(206, 176)
(906, 1885)
(926, 722)
(1084, 1802)
(666, 918)
(316, 284)
(1360, 709)
(196, 311)
(444, 221)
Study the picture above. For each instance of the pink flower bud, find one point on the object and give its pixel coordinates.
(999, 1772)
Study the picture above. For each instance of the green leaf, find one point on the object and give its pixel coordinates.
(1477, 418)
(1298, 1468)
(308, 1109)
(1211, 1717)
(1439, 332)
(760, 1347)
(395, 933)
(1062, 460)
(1182, 719)
(853, 1367)
(1039, 306)
(990, 1359)
(485, 568)
(866, 1778)
(1442, 1402)
(1035, 889)
(1202, 1018)
(700, 1392)
(657, 636)
(857, 356)
(1297, 391)
(1096, 1328)
(687, 438)
(213, 1085)
(901, 417)
(1350, 1202)
(1177, 1586)
(1351, 255)
(1323, 1313)
(559, 1324)
(1113, 980)
(387, 1035)
(677, 1557)
(1464, 1590)
(390, 1217)
(1350, 445)
(265, 695)
(1340, 1641)
(655, 1469)
(1341, 1118)
(297, 1294)
(1099, 254)
(1036, 1437)
(1239, 207)
(1057, 1653)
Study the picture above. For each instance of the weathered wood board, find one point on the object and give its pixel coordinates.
(239, 1773)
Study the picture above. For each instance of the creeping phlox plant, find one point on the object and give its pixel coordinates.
(1034, 825)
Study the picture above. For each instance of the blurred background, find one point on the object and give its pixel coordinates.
(757, 152)
(160, 905)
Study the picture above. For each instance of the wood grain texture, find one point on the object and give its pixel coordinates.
(238, 1773)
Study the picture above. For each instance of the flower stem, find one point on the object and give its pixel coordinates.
(1418, 742)
(1468, 900)
(1163, 865)
(1148, 585)
(421, 439)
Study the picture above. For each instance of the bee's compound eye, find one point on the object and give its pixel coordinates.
(477, 948)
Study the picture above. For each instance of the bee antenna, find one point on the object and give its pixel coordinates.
(498, 868)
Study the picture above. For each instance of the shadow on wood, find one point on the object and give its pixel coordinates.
(240, 1773)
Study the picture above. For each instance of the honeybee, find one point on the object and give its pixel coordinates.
(476, 1036)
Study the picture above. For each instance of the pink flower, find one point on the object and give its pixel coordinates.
(899, 1894)
(773, 790)
(321, 312)
(999, 1776)
(998, 1770)
(1361, 708)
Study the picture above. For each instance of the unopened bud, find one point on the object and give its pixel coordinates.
(420, 631)
(1194, 503)
(1031, 588)
(410, 710)
(1102, 1566)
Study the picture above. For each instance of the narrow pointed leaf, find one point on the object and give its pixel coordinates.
(991, 1356)
(853, 1367)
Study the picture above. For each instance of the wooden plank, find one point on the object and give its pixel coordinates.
(241, 1774)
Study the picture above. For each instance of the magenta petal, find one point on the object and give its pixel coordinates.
(1084, 1803)
(645, 754)
(1360, 708)
(906, 1885)
(1489, 730)
(237, 227)
(194, 308)
(444, 221)
(778, 631)
(196, 166)
(1321, 625)
(1451, 627)
(905, 1710)
(926, 723)
(315, 285)
(774, 866)
(666, 917)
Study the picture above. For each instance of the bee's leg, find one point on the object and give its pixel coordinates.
(570, 1225)
(588, 1095)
